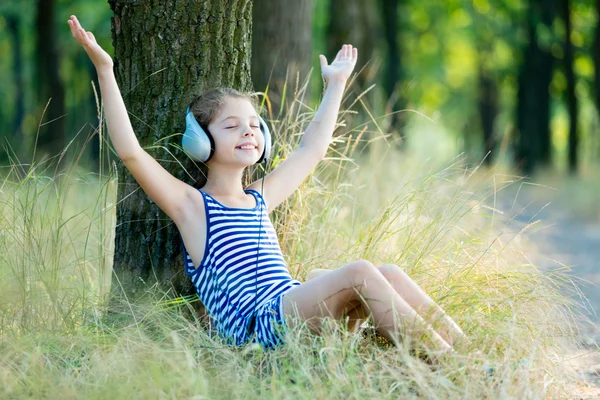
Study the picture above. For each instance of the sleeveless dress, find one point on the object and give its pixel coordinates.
(228, 280)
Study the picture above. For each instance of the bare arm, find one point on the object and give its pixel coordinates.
(320, 130)
(168, 192)
(117, 120)
(286, 178)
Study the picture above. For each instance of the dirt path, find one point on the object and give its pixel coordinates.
(565, 239)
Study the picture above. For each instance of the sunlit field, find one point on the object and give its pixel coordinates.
(367, 200)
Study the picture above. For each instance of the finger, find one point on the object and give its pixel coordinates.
(323, 61)
(71, 27)
(77, 24)
(339, 54)
(91, 36)
(347, 51)
(83, 37)
(74, 30)
(354, 54)
(79, 34)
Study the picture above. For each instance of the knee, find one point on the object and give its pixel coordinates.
(392, 272)
(359, 270)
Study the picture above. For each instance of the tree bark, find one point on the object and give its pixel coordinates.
(52, 137)
(533, 99)
(165, 54)
(281, 46)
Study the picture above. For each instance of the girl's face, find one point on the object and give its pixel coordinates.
(237, 135)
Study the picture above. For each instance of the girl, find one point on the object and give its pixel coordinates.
(247, 300)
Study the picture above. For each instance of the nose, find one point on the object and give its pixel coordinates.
(248, 131)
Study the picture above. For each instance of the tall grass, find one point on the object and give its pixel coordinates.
(436, 220)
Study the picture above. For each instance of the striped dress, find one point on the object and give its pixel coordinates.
(228, 281)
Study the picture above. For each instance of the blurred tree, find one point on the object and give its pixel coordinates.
(281, 46)
(78, 74)
(488, 110)
(357, 22)
(165, 53)
(565, 14)
(393, 63)
(13, 23)
(533, 100)
(596, 58)
(52, 137)
(487, 24)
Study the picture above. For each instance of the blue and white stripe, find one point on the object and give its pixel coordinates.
(225, 278)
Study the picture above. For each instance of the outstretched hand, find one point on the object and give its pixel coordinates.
(342, 66)
(99, 57)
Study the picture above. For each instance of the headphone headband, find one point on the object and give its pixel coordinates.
(199, 144)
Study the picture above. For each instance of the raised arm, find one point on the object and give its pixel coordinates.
(318, 134)
(168, 192)
(286, 178)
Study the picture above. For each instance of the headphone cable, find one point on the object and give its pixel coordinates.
(252, 323)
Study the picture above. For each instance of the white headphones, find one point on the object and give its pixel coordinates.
(198, 143)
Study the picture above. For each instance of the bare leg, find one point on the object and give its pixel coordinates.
(422, 303)
(334, 293)
(416, 297)
(356, 315)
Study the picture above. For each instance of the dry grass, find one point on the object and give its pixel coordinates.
(434, 219)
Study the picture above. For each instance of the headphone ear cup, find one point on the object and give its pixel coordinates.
(267, 135)
(196, 142)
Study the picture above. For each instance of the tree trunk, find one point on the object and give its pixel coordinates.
(596, 58)
(52, 137)
(533, 99)
(13, 23)
(488, 110)
(92, 121)
(393, 69)
(281, 46)
(356, 22)
(571, 98)
(165, 54)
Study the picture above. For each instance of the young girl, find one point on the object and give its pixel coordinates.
(246, 287)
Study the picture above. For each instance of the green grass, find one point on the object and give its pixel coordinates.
(434, 219)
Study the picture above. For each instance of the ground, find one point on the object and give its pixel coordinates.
(564, 237)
